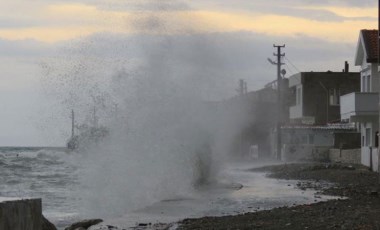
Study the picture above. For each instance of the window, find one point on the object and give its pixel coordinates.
(377, 139)
(368, 137)
(299, 96)
(334, 96)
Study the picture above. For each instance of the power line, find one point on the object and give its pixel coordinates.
(295, 67)
(290, 70)
(298, 77)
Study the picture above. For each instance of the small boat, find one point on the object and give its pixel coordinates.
(87, 134)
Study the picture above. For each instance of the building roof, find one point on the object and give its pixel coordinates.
(367, 47)
(370, 38)
(333, 126)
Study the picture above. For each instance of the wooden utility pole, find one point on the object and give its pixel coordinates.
(279, 98)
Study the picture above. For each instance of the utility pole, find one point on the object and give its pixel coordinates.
(242, 87)
(72, 123)
(279, 98)
(378, 61)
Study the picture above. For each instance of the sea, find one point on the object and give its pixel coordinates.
(41, 172)
(53, 175)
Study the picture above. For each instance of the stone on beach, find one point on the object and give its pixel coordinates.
(84, 224)
(47, 225)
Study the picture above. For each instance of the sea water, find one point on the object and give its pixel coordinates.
(53, 175)
(47, 173)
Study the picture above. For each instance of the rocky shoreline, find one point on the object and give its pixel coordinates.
(357, 205)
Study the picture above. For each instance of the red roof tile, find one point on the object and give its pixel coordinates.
(371, 42)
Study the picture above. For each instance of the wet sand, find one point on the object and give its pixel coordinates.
(357, 208)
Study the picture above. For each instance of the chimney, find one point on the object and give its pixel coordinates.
(346, 67)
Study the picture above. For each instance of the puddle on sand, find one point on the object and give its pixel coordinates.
(258, 193)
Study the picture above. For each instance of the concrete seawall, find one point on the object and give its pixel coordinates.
(20, 214)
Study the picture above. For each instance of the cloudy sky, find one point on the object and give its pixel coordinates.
(319, 35)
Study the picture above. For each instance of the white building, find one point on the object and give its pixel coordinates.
(362, 107)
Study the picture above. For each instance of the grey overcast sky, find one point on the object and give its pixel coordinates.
(319, 35)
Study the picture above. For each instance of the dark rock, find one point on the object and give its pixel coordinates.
(47, 225)
(374, 193)
(84, 224)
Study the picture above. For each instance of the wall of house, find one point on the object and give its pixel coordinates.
(295, 80)
(313, 144)
(295, 110)
(368, 155)
(21, 215)
(369, 83)
(350, 156)
(316, 93)
(371, 70)
(308, 136)
(374, 79)
(344, 140)
(296, 152)
(306, 144)
(368, 139)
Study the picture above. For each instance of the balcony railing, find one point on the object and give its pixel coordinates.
(358, 106)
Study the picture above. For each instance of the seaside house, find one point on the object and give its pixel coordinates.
(314, 114)
(315, 96)
(362, 108)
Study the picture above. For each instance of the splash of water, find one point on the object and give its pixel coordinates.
(164, 137)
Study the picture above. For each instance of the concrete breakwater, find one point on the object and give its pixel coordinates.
(20, 214)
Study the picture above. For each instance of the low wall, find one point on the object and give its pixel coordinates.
(21, 214)
(367, 155)
(351, 156)
(305, 153)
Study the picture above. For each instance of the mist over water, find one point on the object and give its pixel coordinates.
(153, 94)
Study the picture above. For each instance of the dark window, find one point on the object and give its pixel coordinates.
(334, 96)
